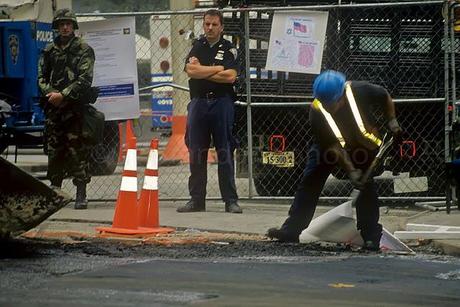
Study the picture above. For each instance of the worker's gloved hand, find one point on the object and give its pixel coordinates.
(356, 178)
(396, 131)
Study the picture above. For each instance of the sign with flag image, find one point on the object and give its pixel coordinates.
(297, 41)
(302, 28)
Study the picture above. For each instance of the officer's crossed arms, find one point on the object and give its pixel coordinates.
(215, 73)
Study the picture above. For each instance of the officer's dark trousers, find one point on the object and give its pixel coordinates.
(211, 118)
(306, 199)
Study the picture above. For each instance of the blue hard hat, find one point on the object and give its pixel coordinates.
(328, 87)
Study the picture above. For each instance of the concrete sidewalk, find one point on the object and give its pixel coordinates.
(256, 219)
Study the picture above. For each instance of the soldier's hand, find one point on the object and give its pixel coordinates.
(356, 178)
(55, 98)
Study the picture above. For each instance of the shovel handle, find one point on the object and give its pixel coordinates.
(382, 150)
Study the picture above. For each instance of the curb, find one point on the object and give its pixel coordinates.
(448, 247)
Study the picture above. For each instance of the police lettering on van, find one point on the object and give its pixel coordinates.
(45, 36)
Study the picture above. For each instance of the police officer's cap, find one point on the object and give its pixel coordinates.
(328, 87)
(64, 14)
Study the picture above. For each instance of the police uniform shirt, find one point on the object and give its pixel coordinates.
(221, 53)
(371, 100)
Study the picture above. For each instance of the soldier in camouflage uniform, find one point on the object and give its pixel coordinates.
(65, 75)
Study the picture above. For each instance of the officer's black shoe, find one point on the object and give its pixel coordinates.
(282, 235)
(233, 207)
(81, 205)
(191, 206)
(371, 246)
(80, 199)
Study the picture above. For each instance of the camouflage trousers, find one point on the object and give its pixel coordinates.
(67, 150)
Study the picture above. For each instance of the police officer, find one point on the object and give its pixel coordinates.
(65, 75)
(212, 67)
(344, 134)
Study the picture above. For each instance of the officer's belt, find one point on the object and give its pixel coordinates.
(210, 95)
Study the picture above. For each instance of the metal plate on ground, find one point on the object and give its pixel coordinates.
(279, 159)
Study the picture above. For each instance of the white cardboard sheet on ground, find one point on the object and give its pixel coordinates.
(338, 225)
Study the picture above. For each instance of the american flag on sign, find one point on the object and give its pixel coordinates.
(300, 27)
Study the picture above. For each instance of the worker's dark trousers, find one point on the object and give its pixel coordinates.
(211, 118)
(309, 190)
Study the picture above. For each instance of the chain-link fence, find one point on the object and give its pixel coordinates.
(400, 46)
(451, 15)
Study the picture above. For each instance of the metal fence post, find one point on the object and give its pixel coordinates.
(451, 47)
(447, 53)
(248, 101)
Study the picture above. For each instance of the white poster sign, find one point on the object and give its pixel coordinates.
(115, 71)
(297, 41)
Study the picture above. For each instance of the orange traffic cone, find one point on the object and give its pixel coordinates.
(121, 149)
(125, 220)
(148, 202)
(129, 133)
(129, 130)
(176, 148)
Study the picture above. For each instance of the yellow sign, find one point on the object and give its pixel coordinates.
(279, 159)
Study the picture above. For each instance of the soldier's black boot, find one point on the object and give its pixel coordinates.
(56, 184)
(80, 199)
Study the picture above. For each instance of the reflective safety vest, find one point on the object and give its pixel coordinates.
(357, 116)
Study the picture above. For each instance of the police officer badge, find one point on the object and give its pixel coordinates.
(13, 44)
(220, 55)
(234, 52)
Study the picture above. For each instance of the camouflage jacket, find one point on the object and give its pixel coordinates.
(68, 70)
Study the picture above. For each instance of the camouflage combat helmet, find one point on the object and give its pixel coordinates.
(64, 14)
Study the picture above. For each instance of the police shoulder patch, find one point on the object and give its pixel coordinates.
(234, 52)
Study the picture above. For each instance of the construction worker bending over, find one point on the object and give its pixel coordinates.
(345, 134)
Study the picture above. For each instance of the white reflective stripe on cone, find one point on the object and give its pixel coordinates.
(131, 160)
(150, 183)
(128, 184)
(152, 161)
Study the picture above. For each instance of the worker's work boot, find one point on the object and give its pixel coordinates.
(80, 199)
(233, 207)
(371, 246)
(282, 235)
(192, 206)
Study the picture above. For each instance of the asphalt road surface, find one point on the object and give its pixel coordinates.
(231, 273)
